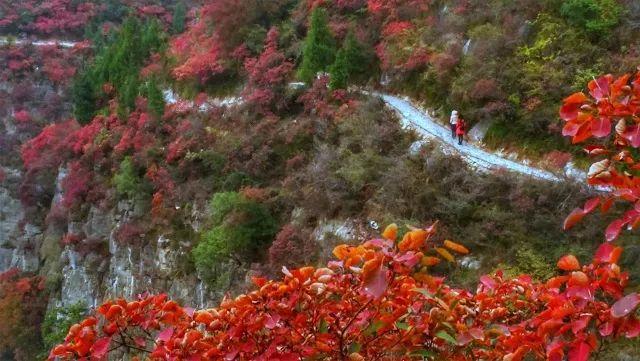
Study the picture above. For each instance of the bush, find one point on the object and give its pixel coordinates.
(597, 17)
(57, 321)
(292, 247)
(126, 180)
(239, 229)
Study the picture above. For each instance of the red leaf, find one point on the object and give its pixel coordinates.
(488, 282)
(599, 88)
(633, 135)
(603, 254)
(166, 334)
(606, 329)
(606, 205)
(571, 106)
(574, 217)
(591, 204)
(580, 324)
(601, 127)
(633, 328)
(580, 352)
(613, 230)
(376, 283)
(100, 348)
(583, 133)
(625, 305)
(570, 129)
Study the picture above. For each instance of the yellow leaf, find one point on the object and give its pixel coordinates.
(445, 254)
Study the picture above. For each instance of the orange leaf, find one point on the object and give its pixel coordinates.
(391, 232)
(574, 217)
(413, 240)
(456, 247)
(569, 263)
(341, 251)
(429, 261)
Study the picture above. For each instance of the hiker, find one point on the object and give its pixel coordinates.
(460, 130)
(453, 121)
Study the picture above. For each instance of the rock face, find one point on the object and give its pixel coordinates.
(157, 263)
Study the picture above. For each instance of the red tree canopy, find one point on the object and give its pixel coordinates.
(377, 301)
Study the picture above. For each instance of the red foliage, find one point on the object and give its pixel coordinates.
(130, 233)
(267, 76)
(610, 113)
(203, 50)
(22, 306)
(291, 248)
(320, 100)
(377, 302)
(46, 151)
(200, 56)
(22, 116)
(50, 16)
(76, 184)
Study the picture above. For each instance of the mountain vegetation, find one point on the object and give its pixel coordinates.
(239, 144)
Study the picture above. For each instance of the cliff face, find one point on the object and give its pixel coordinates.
(99, 267)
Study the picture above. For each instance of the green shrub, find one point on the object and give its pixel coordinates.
(239, 229)
(597, 17)
(57, 321)
(126, 180)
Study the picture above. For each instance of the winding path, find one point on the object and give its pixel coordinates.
(61, 43)
(411, 116)
(426, 126)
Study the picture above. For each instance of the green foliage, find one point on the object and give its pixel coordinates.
(528, 261)
(83, 97)
(543, 71)
(57, 321)
(126, 180)
(119, 58)
(179, 14)
(239, 229)
(318, 51)
(350, 64)
(155, 98)
(597, 17)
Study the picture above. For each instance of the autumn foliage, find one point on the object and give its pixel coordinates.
(22, 306)
(608, 120)
(377, 301)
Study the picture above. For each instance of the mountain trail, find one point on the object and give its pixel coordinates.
(412, 117)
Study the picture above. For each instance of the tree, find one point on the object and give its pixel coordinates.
(378, 301)
(318, 50)
(179, 14)
(350, 63)
(83, 97)
(267, 76)
(155, 98)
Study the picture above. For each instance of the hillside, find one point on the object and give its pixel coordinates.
(198, 148)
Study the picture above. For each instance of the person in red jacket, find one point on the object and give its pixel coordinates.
(460, 129)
